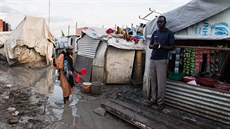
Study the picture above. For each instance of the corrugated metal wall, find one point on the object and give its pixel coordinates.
(87, 46)
(201, 101)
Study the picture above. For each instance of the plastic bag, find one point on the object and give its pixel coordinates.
(83, 71)
(77, 78)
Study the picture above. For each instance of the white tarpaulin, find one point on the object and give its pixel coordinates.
(31, 43)
(123, 44)
(181, 18)
(213, 28)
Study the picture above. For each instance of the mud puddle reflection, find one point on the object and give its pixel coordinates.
(66, 113)
(39, 78)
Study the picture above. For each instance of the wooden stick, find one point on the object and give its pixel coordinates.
(203, 47)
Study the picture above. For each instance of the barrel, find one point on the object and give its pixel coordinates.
(96, 88)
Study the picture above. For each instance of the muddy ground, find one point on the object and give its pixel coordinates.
(32, 99)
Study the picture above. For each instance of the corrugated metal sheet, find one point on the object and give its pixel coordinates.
(199, 100)
(87, 46)
(119, 65)
(84, 62)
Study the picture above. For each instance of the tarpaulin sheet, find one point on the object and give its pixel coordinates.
(123, 44)
(95, 33)
(30, 42)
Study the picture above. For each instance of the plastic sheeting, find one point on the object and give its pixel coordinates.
(214, 28)
(31, 42)
(179, 19)
(123, 44)
(95, 33)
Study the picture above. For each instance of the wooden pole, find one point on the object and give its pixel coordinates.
(203, 47)
(138, 66)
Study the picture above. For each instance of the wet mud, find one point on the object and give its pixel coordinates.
(32, 99)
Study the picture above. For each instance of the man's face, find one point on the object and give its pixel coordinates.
(161, 22)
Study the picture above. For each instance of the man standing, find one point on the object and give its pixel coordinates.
(161, 42)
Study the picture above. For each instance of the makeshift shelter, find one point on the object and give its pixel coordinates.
(196, 29)
(107, 59)
(86, 49)
(119, 60)
(30, 43)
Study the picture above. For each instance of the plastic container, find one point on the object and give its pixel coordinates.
(175, 76)
(188, 79)
(86, 87)
(96, 88)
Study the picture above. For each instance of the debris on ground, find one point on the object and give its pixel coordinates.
(20, 109)
(100, 111)
(131, 107)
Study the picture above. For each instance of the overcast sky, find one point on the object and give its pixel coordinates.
(90, 13)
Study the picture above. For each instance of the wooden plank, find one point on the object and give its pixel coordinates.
(145, 118)
(203, 47)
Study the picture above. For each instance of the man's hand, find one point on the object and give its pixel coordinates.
(155, 45)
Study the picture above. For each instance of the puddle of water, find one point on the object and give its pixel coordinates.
(40, 78)
(63, 111)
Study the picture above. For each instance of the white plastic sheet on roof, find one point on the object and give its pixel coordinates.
(216, 27)
(123, 44)
(95, 33)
